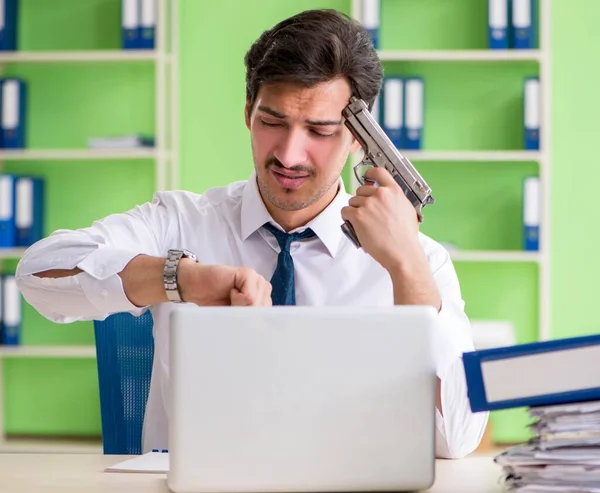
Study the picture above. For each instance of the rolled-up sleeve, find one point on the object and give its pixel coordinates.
(101, 251)
(459, 430)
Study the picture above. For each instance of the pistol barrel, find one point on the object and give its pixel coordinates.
(379, 150)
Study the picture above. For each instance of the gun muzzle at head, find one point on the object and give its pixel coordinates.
(380, 152)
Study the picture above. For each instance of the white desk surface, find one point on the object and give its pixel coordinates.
(84, 473)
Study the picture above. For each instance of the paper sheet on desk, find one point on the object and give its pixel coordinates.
(552, 488)
(152, 462)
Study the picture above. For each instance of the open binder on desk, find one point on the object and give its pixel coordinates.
(535, 374)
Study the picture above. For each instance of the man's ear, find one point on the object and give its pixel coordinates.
(247, 110)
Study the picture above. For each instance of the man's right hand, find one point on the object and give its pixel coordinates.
(221, 285)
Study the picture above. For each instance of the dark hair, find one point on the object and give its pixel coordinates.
(311, 47)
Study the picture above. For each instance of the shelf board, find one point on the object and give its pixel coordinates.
(77, 154)
(47, 351)
(11, 253)
(496, 156)
(80, 56)
(460, 55)
(494, 256)
(50, 445)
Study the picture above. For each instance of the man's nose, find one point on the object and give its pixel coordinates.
(292, 150)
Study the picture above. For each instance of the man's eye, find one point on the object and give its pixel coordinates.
(267, 124)
(319, 134)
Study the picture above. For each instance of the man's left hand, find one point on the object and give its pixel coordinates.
(385, 221)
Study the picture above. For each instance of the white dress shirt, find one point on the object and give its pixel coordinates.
(223, 226)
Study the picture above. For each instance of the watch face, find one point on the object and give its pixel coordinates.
(188, 254)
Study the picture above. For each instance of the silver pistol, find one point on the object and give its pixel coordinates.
(379, 151)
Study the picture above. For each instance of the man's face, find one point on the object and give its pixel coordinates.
(300, 143)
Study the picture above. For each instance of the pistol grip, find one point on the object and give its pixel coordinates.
(348, 230)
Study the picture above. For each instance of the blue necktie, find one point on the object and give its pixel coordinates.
(284, 291)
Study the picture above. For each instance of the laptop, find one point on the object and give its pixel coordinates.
(301, 399)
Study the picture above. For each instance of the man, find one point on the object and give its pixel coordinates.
(300, 75)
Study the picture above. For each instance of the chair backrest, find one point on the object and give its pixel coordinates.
(125, 350)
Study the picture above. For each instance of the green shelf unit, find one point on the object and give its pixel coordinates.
(473, 158)
(81, 85)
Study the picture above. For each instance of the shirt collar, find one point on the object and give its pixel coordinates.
(327, 225)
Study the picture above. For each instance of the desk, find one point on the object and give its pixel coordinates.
(66, 473)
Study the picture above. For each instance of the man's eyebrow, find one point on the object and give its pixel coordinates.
(271, 112)
(276, 114)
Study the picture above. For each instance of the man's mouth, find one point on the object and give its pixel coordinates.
(289, 180)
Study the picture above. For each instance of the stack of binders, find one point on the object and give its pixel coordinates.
(138, 24)
(559, 384)
(399, 111)
(11, 307)
(21, 210)
(520, 34)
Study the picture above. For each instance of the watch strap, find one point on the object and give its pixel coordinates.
(170, 273)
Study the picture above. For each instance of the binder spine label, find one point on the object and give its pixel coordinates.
(531, 213)
(147, 24)
(393, 111)
(498, 24)
(371, 19)
(11, 316)
(7, 211)
(532, 115)
(522, 24)
(413, 104)
(130, 23)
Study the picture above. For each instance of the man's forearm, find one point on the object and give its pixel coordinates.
(414, 285)
(142, 279)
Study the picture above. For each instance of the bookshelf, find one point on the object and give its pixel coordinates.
(460, 55)
(80, 154)
(78, 178)
(473, 158)
(84, 56)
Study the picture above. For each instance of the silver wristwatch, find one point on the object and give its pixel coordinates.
(170, 273)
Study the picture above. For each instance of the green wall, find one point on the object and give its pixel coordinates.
(469, 106)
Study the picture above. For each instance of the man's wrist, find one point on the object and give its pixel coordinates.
(171, 273)
(407, 261)
(186, 272)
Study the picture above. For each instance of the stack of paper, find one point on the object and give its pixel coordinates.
(121, 142)
(563, 456)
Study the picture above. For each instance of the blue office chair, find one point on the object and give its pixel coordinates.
(124, 349)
